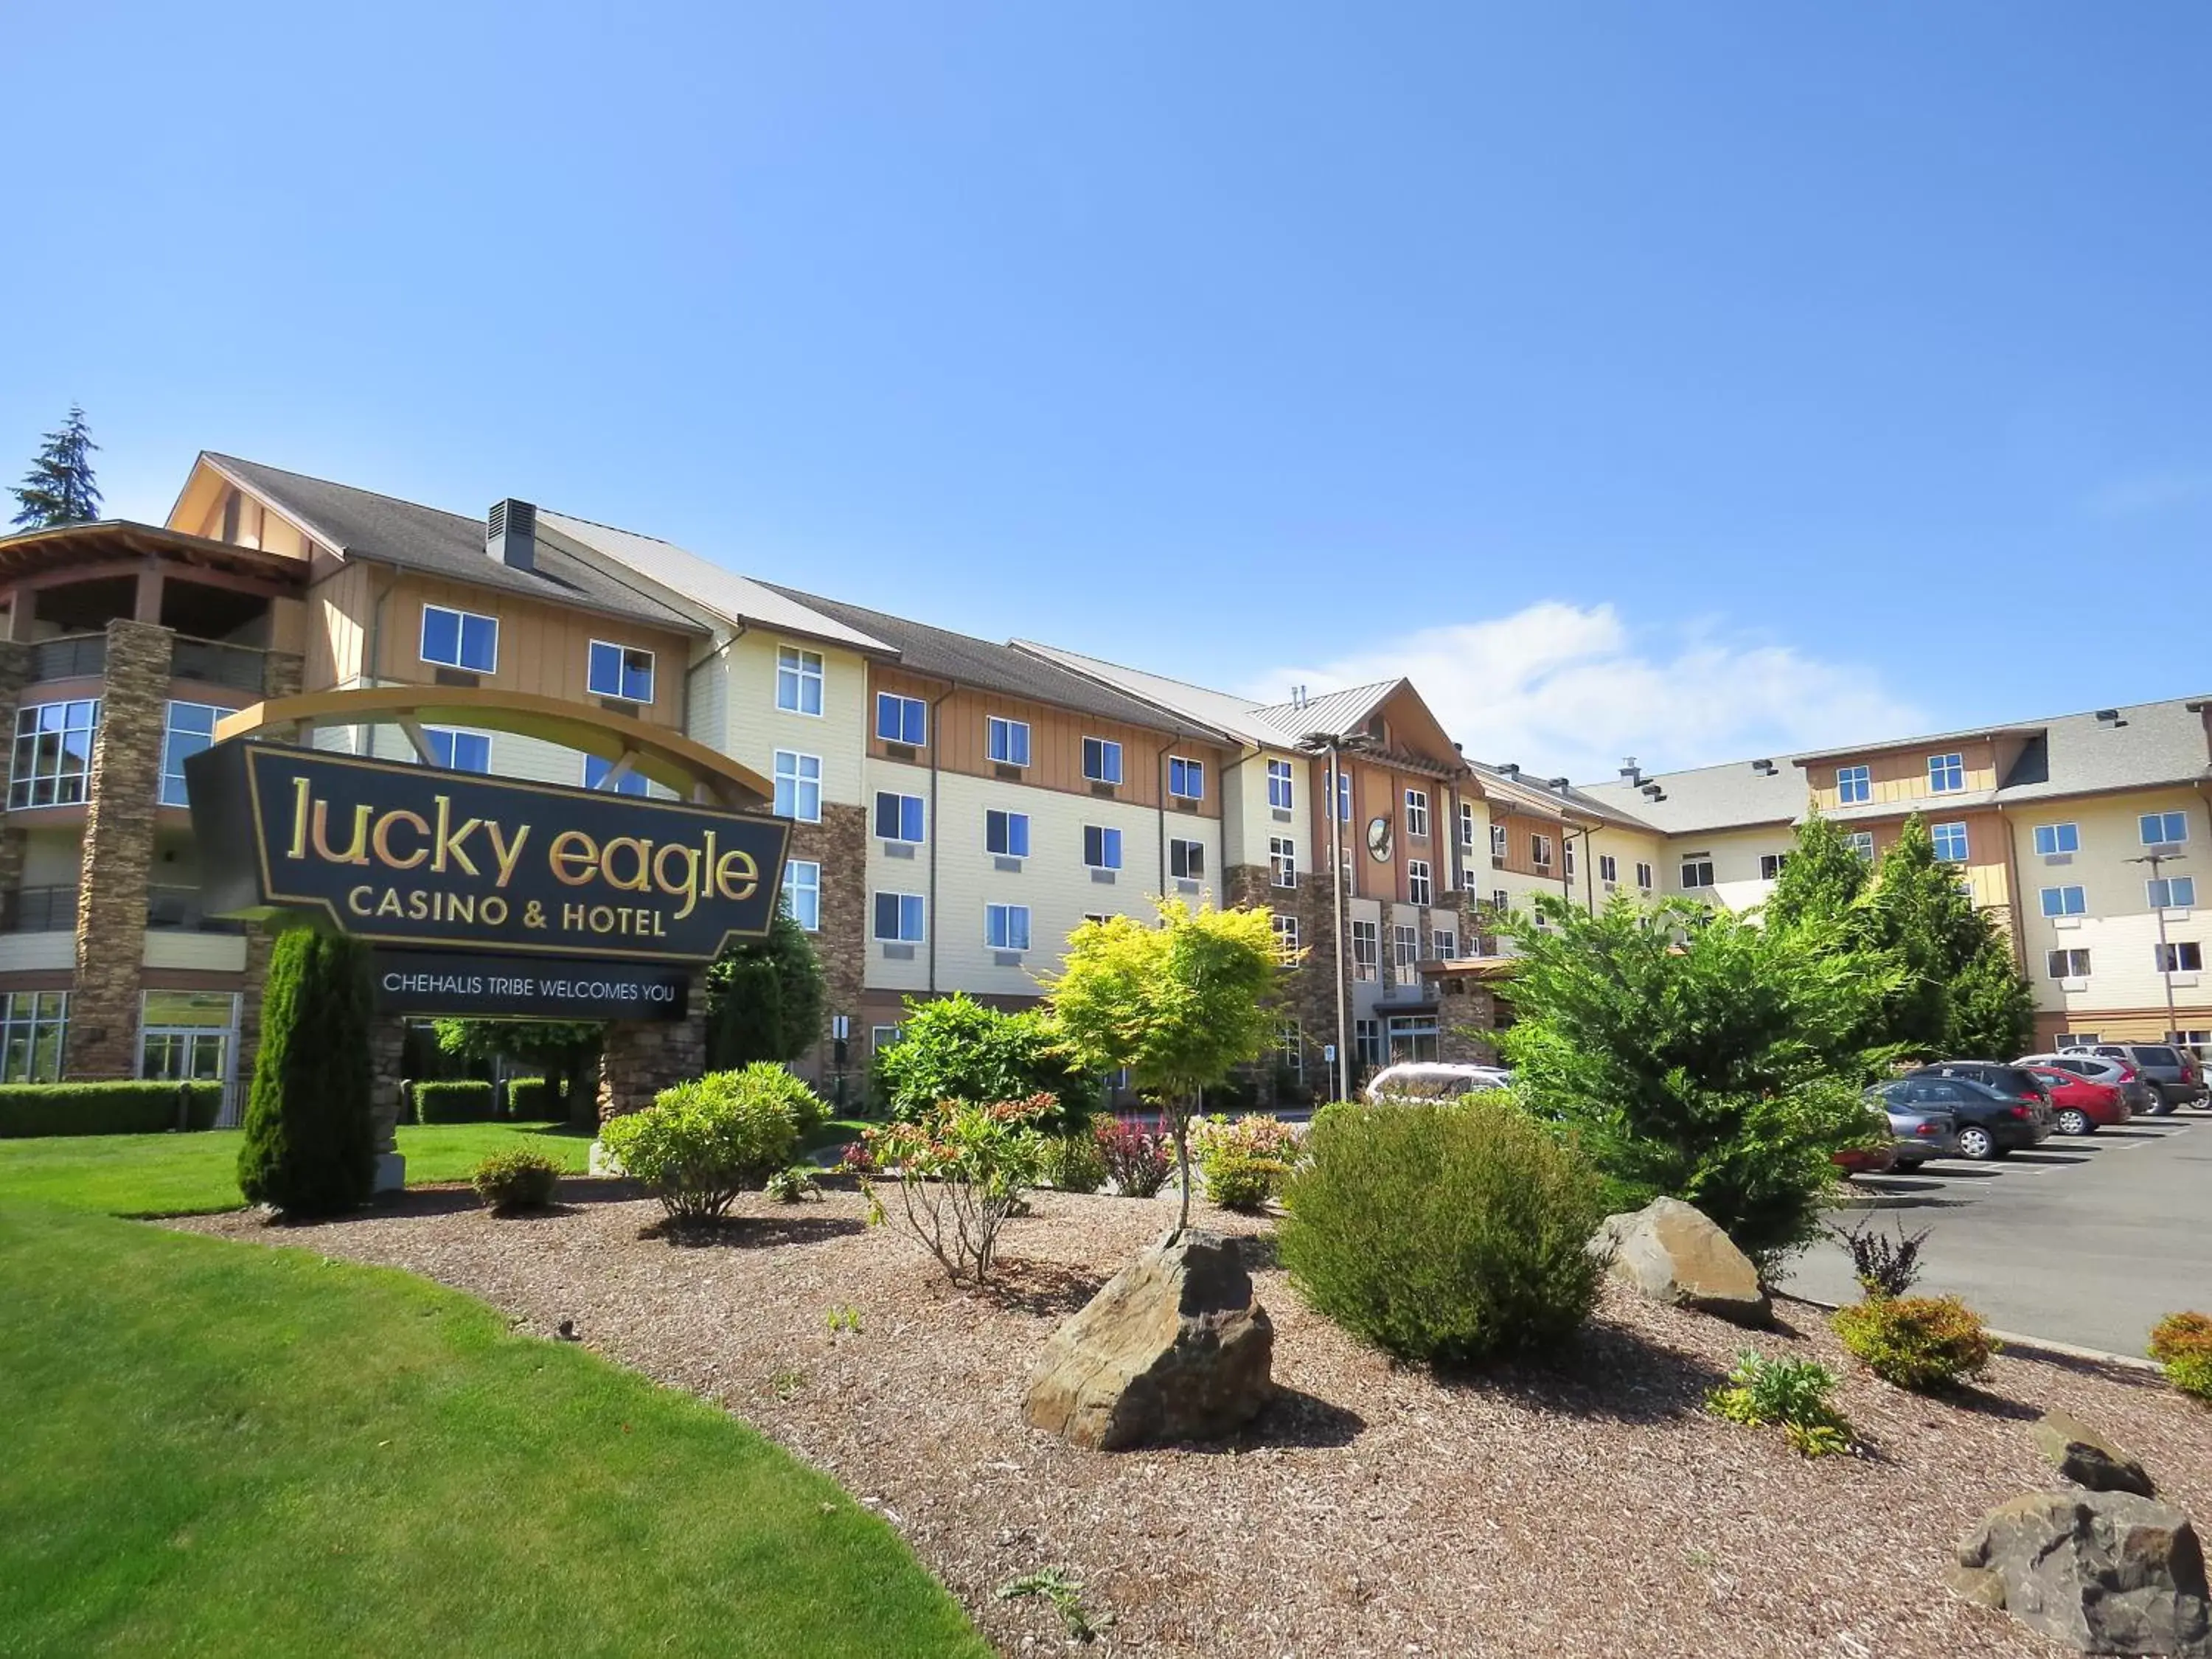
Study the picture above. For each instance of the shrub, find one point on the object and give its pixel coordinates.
(1444, 1233)
(961, 1170)
(1883, 1266)
(1073, 1163)
(856, 1157)
(520, 1180)
(1792, 1392)
(2182, 1344)
(310, 1145)
(1137, 1160)
(792, 1184)
(1920, 1342)
(530, 1099)
(28, 1109)
(1244, 1163)
(703, 1142)
(457, 1100)
(957, 1048)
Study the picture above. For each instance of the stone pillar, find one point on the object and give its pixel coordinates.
(118, 853)
(283, 674)
(644, 1056)
(14, 672)
(388, 1044)
(839, 845)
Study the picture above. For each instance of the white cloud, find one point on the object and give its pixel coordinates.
(1563, 688)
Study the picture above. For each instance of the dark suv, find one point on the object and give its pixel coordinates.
(2015, 1082)
(1990, 1124)
(2171, 1071)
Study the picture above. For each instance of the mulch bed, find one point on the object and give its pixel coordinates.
(1590, 1509)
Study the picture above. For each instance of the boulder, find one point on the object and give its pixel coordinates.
(1669, 1251)
(2087, 1458)
(2100, 1572)
(1173, 1348)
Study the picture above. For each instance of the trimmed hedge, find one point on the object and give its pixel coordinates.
(462, 1100)
(531, 1099)
(30, 1109)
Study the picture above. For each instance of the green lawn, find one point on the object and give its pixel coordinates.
(221, 1449)
(191, 1174)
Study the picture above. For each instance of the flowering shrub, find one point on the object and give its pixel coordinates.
(2182, 1344)
(961, 1171)
(1244, 1163)
(1137, 1160)
(856, 1157)
(703, 1142)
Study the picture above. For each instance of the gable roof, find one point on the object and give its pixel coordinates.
(1335, 712)
(1520, 790)
(359, 524)
(1734, 796)
(1240, 717)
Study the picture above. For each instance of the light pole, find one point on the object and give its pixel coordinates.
(1334, 744)
(2165, 968)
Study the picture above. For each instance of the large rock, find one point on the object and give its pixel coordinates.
(1671, 1253)
(1173, 1348)
(2087, 1458)
(2102, 1573)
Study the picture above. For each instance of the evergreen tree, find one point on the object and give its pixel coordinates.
(765, 997)
(58, 489)
(1922, 919)
(310, 1146)
(1991, 1014)
(1823, 876)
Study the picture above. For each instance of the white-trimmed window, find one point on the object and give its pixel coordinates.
(1291, 1049)
(1405, 945)
(797, 680)
(457, 751)
(2163, 829)
(1947, 774)
(1006, 741)
(1501, 900)
(2066, 964)
(1498, 843)
(1186, 859)
(1609, 867)
(460, 639)
(1367, 1042)
(1643, 876)
(2053, 839)
(2171, 892)
(1862, 842)
(1006, 833)
(2063, 901)
(1344, 797)
(1286, 937)
(1282, 861)
(1102, 847)
(185, 1036)
(1417, 812)
(1006, 927)
(620, 671)
(2183, 956)
(632, 782)
(1696, 873)
(1467, 826)
(1567, 855)
(1950, 841)
(1444, 943)
(901, 918)
(802, 893)
(881, 1037)
(1282, 791)
(1366, 950)
(1854, 784)
(1771, 864)
(53, 753)
(1420, 886)
(191, 729)
(797, 786)
(1102, 760)
(901, 719)
(1186, 778)
(898, 817)
(34, 1035)
(1539, 851)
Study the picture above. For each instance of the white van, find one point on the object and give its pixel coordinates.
(1434, 1079)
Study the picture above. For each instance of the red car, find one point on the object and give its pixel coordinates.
(2079, 1107)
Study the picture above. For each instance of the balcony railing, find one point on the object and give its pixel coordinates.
(178, 908)
(74, 656)
(217, 664)
(39, 910)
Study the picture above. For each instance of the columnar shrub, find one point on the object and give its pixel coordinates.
(1445, 1233)
(1919, 1342)
(960, 1171)
(1244, 1162)
(1793, 1394)
(2182, 1344)
(702, 1143)
(1071, 1163)
(520, 1180)
(310, 1145)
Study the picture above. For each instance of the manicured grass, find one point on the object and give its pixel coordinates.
(192, 1174)
(220, 1449)
(839, 1131)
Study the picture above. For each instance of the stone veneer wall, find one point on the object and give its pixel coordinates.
(840, 844)
(15, 674)
(644, 1056)
(118, 852)
(1309, 989)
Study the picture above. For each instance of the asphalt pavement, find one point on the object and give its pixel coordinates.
(2087, 1241)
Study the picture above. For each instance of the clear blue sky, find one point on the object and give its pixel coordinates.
(1856, 357)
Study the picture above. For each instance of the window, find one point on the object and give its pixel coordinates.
(458, 751)
(1102, 760)
(1501, 900)
(460, 639)
(630, 783)
(1950, 841)
(1771, 864)
(1467, 825)
(1697, 872)
(2052, 839)
(1008, 741)
(1420, 885)
(33, 1031)
(1366, 950)
(797, 680)
(901, 719)
(192, 728)
(1412, 1036)
(802, 893)
(1186, 778)
(1854, 784)
(2171, 892)
(1417, 812)
(799, 786)
(2182, 957)
(2164, 828)
(2063, 902)
(1282, 861)
(184, 1036)
(53, 753)
(1367, 1041)
(1947, 774)
(1608, 868)
(1643, 876)
(1186, 859)
(1286, 937)
(1290, 1045)
(1498, 843)
(881, 1037)
(1344, 797)
(1282, 792)
(1102, 847)
(899, 917)
(621, 671)
(1539, 851)
(898, 817)
(2066, 964)
(1006, 927)
(1444, 943)
(1862, 842)
(1405, 945)
(1006, 833)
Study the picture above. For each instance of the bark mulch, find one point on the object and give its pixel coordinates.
(1593, 1508)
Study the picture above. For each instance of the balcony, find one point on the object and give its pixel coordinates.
(39, 910)
(178, 908)
(214, 663)
(74, 656)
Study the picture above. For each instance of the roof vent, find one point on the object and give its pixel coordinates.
(510, 534)
(2110, 717)
(1764, 768)
(1630, 769)
(1652, 789)
(1511, 768)
(1560, 784)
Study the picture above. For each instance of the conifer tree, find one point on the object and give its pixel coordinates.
(310, 1147)
(765, 997)
(59, 488)
(1823, 876)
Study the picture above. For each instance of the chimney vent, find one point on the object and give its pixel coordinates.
(1630, 769)
(510, 534)
(2110, 717)
(1764, 768)
(1511, 768)
(1560, 784)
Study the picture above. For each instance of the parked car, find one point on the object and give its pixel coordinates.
(2121, 1074)
(2172, 1072)
(1990, 1124)
(2079, 1106)
(2012, 1080)
(1434, 1079)
(1921, 1133)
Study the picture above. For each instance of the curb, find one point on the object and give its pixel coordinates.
(2014, 1342)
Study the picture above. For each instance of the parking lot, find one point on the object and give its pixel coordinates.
(2087, 1241)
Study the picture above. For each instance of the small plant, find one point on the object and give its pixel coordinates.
(1884, 1266)
(1793, 1394)
(507, 1182)
(1922, 1342)
(1073, 1163)
(702, 1143)
(2182, 1344)
(794, 1184)
(1246, 1162)
(786, 1385)
(1065, 1596)
(961, 1170)
(1138, 1161)
(843, 1318)
(856, 1157)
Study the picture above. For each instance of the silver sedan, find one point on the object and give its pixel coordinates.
(1920, 1133)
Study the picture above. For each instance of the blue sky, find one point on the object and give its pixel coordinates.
(1690, 382)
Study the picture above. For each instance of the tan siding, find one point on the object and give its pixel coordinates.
(338, 612)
